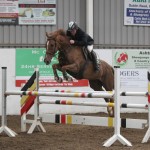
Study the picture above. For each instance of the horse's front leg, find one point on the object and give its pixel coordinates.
(66, 77)
(56, 77)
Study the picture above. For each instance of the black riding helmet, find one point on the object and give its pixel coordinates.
(72, 25)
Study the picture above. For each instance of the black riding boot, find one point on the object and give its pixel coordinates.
(95, 62)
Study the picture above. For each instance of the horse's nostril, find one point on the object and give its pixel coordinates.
(46, 62)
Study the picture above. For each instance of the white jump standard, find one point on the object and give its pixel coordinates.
(4, 127)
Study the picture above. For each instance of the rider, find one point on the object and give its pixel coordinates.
(80, 38)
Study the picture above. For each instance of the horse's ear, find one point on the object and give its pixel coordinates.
(48, 34)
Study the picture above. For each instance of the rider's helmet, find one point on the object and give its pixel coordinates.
(72, 25)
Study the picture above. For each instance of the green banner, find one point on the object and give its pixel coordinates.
(29, 58)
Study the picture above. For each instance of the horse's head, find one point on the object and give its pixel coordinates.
(51, 49)
(55, 41)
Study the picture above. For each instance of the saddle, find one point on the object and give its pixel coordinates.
(87, 55)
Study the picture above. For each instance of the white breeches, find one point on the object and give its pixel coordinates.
(90, 48)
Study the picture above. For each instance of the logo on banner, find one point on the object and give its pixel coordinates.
(121, 58)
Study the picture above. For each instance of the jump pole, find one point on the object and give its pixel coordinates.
(101, 94)
(123, 93)
(85, 103)
(117, 135)
(4, 127)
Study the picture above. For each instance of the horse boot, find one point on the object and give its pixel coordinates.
(95, 61)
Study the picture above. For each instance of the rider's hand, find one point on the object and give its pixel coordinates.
(72, 41)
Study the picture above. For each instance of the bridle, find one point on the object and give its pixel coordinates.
(54, 53)
(47, 47)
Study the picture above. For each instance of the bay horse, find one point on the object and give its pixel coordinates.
(72, 61)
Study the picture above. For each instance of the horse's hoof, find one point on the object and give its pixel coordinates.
(70, 79)
(60, 80)
(56, 78)
(110, 111)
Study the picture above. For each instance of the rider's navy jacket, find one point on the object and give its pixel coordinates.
(81, 38)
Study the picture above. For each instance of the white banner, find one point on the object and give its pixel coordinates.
(37, 12)
(133, 78)
(9, 12)
(137, 12)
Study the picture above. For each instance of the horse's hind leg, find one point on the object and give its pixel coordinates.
(109, 86)
(110, 109)
(96, 85)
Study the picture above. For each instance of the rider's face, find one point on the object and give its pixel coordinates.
(73, 32)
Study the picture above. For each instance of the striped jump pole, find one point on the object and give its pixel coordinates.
(85, 103)
(101, 94)
(66, 91)
(121, 93)
(134, 94)
(4, 127)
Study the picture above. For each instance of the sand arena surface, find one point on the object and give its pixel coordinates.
(72, 137)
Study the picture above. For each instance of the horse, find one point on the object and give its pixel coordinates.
(72, 61)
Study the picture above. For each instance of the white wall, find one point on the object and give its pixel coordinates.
(7, 59)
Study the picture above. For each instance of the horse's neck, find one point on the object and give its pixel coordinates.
(63, 42)
(65, 46)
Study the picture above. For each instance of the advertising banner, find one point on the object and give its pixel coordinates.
(137, 12)
(9, 12)
(37, 12)
(29, 58)
(134, 65)
(127, 58)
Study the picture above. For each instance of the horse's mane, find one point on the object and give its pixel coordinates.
(56, 33)
(60, 37)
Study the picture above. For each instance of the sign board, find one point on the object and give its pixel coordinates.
(29, 58)
(137, 12)
(9, 12)
(37, 12)
(131, 59)
(134, 65)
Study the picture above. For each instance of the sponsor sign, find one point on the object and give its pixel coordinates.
(133, 78)
(131, 58)
(134, 65)
(9, 12)
(137, 12)
(29, 58)
(37, 12)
